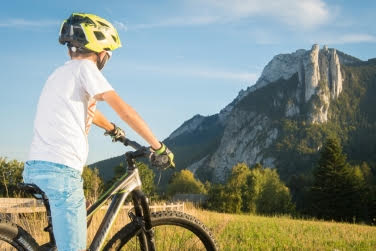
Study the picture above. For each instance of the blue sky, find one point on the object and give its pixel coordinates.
(179, 58)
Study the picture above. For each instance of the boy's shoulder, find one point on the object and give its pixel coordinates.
(86, 64)
(80, 66)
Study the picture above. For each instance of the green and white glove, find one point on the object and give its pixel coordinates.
(162, 157)
(116, 133)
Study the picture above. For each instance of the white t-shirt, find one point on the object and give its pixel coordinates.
(65, 112)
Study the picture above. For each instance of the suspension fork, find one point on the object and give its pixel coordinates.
(142, 211)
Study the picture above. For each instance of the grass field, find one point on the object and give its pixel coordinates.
(249, 232)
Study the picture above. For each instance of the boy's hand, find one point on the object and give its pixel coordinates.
(116, 133)
(162, 157)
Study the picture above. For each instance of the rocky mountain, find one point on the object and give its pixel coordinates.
(299, 87)
(283, 119)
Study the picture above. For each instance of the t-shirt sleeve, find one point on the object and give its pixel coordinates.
(93, 80)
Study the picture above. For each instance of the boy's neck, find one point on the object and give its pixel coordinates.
(91, 58)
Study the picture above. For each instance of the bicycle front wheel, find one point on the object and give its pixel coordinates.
(172, 231)
(13, 237)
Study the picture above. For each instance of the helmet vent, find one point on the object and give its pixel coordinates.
(103, 24)
(114, 38)
(99, 35)
(64, 29)
(79, 33)
(76, 19)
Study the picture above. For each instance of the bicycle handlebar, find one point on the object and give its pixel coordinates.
(131, 143)
(141, 151)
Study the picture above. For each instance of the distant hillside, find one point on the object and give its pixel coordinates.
(106, 167)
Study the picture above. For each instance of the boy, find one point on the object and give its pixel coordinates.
(66, 109)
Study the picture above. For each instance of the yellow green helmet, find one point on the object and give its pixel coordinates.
(90, 32)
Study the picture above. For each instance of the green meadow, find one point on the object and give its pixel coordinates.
(250, 232)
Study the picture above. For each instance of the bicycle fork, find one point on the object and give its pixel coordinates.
(141, 206)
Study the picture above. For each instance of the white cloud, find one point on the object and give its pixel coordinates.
(243, 76)
(356, 38)
(179, 21)
(22, 23)
(351, 38)
(296, 13)
(198, 72)
(120, 26)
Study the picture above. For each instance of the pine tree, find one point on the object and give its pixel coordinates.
(337, 191)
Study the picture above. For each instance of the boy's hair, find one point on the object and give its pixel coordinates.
(74, 52)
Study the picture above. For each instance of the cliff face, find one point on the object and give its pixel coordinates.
(297, 85)
(312, 66)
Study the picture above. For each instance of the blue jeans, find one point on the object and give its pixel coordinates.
(63, 186)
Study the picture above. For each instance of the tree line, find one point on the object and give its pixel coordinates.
(335, 190)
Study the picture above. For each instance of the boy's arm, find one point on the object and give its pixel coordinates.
(101, 121)
(128, 114)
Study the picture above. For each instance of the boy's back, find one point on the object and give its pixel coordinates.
(64, 114)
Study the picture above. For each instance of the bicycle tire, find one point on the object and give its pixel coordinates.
(126, 238)
(14, 237)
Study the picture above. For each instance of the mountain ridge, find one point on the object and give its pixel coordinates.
(315, 72)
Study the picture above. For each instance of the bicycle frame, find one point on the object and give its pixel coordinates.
(128, 183)
(120, 191)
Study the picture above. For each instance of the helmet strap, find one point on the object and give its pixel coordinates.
(101, 63)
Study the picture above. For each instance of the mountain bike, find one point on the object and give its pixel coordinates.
(164, 230)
